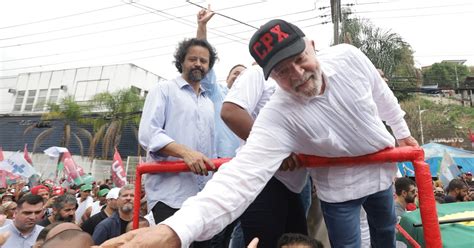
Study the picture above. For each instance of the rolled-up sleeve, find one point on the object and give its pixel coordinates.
(233, 188)
(151, 134)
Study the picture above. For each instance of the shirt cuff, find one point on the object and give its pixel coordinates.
(401, 130)
(180, 229)
(158, 142)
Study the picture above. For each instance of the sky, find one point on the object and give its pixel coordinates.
(60, 34)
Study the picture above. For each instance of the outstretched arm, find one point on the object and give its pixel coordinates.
(203, 17)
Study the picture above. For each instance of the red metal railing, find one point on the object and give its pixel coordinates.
(429, 217)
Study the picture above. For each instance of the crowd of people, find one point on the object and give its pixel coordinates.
(292, 101)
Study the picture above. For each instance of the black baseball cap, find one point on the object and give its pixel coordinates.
(275, 41)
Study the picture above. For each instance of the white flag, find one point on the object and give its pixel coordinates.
(445, 173)
(17, 165)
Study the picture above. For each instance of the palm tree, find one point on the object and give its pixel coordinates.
(117, 109)
(69, 112)
(385, 49)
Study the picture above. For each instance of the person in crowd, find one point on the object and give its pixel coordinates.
(61, 228)
(296, 240)
(168, 106)
(43, 191)
(71, 238)
(142, 222)
(99, 203)
(8, 209)
(234, 72)
(84, 201)
(330, 105)
(116, 224)
(64, 209)
(109, 209)
(406, 192)
(457, 191)
(439, 194)
(23, 230)
(468, 180)
(7, 197)
(42, 234)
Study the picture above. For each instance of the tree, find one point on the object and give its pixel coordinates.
(445, 74)
(387, 50)
(116, 110)
(69, 112)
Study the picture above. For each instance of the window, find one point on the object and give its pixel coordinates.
(85, 90)
(19, 100)
(30, 99)
(41, 101)
(53, 95)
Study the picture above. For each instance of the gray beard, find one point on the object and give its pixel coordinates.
(127, 208)
(196, 75)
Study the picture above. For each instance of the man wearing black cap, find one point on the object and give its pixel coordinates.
(329, 105)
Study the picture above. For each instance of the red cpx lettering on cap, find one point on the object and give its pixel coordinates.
(275, 41)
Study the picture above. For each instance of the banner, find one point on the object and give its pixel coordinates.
(454, 235)
(1, 154)
(16, 164)
(6, 178)
(119, 177)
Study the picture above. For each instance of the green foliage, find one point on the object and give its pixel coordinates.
(385, 49)
(445, 74)
(438, 120)
(115, 111)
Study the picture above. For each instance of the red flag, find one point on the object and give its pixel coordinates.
(119, 178)
(1, 154)
(471, 135)
(26, 155)
(71, 169)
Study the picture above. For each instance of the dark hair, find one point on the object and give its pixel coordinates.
(104, 186)
(63, 200)
(233, 67)
(183, 48)
(403, 183)
(30, 199)
(296, 238)
(456, 184)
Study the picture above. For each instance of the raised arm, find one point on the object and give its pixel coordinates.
(203, 17)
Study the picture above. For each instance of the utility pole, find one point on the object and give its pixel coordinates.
(336, 18)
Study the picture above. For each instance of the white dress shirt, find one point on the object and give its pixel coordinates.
(251, 92)
(346, 120)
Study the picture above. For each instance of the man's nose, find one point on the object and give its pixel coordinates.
(297, 71)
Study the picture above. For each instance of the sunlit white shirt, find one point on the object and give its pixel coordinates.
(173, 112)
(345, 121)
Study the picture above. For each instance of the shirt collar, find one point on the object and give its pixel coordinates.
(17, 232)
(183, 84)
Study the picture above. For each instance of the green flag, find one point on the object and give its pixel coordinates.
(457, 235)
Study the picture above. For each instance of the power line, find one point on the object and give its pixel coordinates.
(415, 8)
(157, 38)
(61, 17)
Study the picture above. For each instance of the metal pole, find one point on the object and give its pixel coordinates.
(421, 125)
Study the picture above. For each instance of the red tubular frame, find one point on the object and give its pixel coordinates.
(410, 240)
(429, 217)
